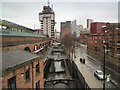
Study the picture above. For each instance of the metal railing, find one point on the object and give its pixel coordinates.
(8, 32)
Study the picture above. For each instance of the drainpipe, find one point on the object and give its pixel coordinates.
(32, 76)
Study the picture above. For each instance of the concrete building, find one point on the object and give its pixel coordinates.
(73, 26)
(78, 30)
(21, 69)
(89, 21)
(65, 28)
(47, 19)
(57, 34)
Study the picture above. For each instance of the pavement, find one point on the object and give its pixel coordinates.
(88, 75)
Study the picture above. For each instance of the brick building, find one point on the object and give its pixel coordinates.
(96, 28)
(21, 69)
(98, 35)
(83, 36)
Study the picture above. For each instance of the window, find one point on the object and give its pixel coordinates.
(0, 26)
(4, 27)
(38, 85)
(118, 43)
(119, 35)
(37, 69)
(27, 75)
(95, 41)
(118, 50)
(95, 37)
(12, 83)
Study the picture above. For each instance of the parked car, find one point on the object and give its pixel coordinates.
(99, 74)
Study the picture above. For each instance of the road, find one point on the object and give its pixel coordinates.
(88, 68)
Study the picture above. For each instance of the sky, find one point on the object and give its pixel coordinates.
(26, 13)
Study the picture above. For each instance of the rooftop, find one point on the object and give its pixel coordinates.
(47, 10)
(16, 58)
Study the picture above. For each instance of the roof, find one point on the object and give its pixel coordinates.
(14, 58)
(11, 24)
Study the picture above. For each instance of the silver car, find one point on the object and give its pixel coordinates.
(99, 74)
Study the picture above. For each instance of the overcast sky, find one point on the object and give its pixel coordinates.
(27, 13)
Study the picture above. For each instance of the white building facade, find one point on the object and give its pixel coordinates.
(78, 30)
(47, 19)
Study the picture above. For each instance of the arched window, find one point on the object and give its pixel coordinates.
(35, 47)
(27, 49)
(40, 46)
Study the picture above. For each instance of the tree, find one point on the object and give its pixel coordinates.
(68, 42)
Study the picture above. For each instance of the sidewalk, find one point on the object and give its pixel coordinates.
(89, 77)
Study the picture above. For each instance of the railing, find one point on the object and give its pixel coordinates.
(8, 32)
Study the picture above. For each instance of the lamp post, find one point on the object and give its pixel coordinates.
(74, 46)
(104, 46)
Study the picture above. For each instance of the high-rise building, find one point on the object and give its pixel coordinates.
(47, 19)
(73, 26)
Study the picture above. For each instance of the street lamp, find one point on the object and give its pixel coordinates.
(104, 46)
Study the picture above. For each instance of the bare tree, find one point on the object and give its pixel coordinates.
(68, 41)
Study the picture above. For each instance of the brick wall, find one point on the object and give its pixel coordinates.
(20, 75)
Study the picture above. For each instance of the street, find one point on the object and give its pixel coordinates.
(88, 68)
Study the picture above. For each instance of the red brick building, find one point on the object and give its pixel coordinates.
(112, 38)
(83, 37)
(21, 69)
(96, 27)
